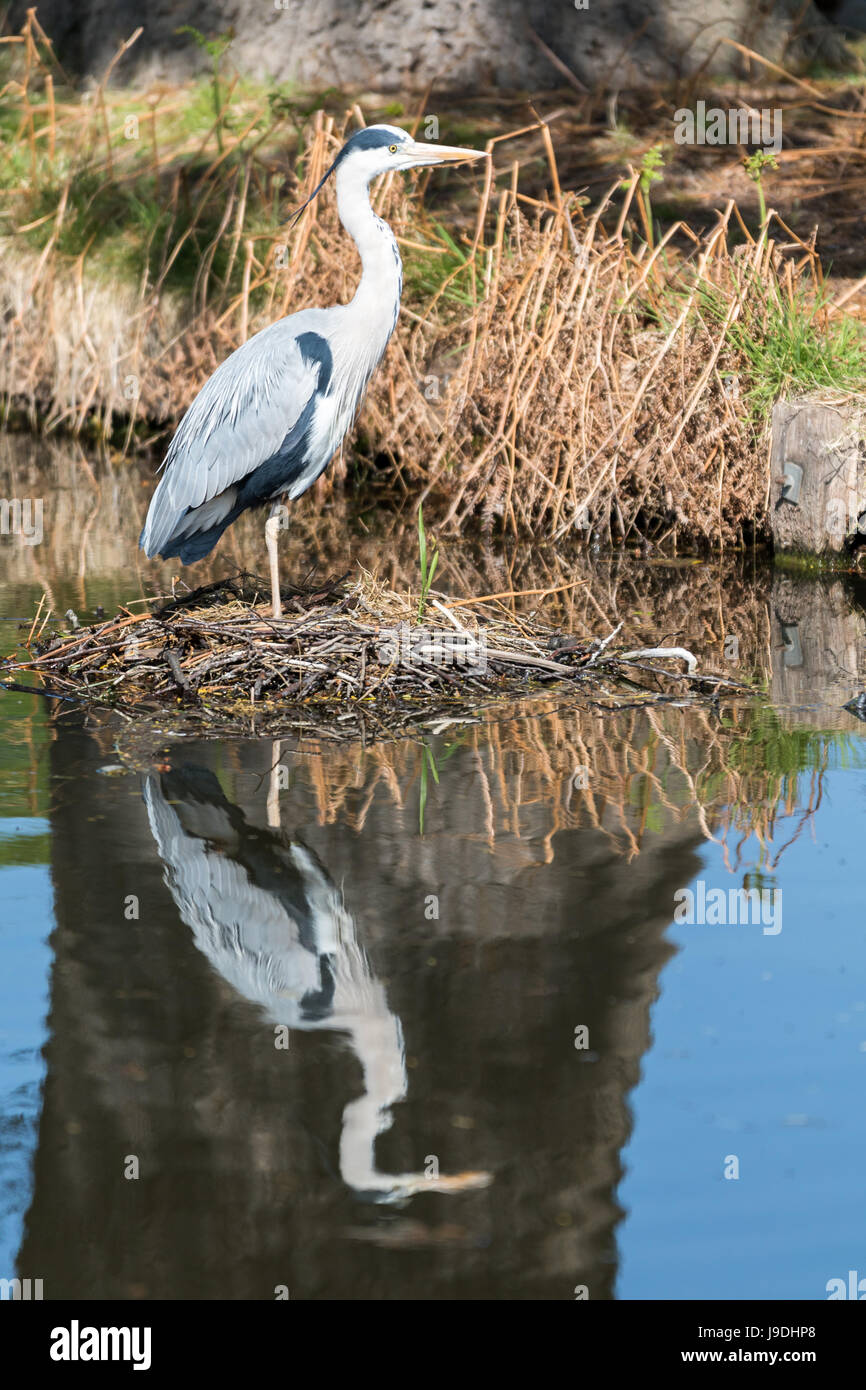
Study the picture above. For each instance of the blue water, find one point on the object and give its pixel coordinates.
(756, 1059)
(25, 962)
(759, 1052)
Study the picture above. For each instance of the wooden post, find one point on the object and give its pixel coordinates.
(818, 646)
(817, 475)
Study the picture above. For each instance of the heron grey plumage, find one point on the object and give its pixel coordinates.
(268, 421)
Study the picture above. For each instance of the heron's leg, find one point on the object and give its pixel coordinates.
(274, 786)
(272, 531)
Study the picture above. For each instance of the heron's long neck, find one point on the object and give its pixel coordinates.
(377, 298)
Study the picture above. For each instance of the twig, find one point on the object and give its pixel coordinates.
(679, 652)
(602, 644)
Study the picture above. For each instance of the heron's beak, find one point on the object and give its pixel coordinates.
(420, 152)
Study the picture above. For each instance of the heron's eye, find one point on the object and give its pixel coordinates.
(392, 149)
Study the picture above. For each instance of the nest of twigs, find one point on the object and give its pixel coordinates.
(349, 657)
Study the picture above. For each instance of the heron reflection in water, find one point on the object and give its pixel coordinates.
(271, 922)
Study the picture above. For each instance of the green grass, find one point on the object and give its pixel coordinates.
(768, 747)
(426, 275)
(820, 71)
(157, 194)
(790, 346)
(427, 760)
(768, 756)
(427, 568)
(787, 343)
(798, 349)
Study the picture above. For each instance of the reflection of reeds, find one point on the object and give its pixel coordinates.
(550, 371)
(645, 772)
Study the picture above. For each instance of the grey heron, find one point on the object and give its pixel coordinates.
(264, 912)
(267, 422)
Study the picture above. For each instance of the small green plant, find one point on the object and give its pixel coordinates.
(427, 571)
(427, 761)
(651, 167)
(754, 165)
(216, 50)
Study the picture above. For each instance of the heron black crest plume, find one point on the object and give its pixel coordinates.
(270, 418)
(319, 186)
(370, 138)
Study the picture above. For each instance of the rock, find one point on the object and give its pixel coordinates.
(394, 45)
(850, 16)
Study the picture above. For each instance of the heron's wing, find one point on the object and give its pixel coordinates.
(239, 419)
(244, 931)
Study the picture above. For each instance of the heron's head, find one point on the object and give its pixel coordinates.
(379, 148)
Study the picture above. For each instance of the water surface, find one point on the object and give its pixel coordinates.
(292, 1016)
